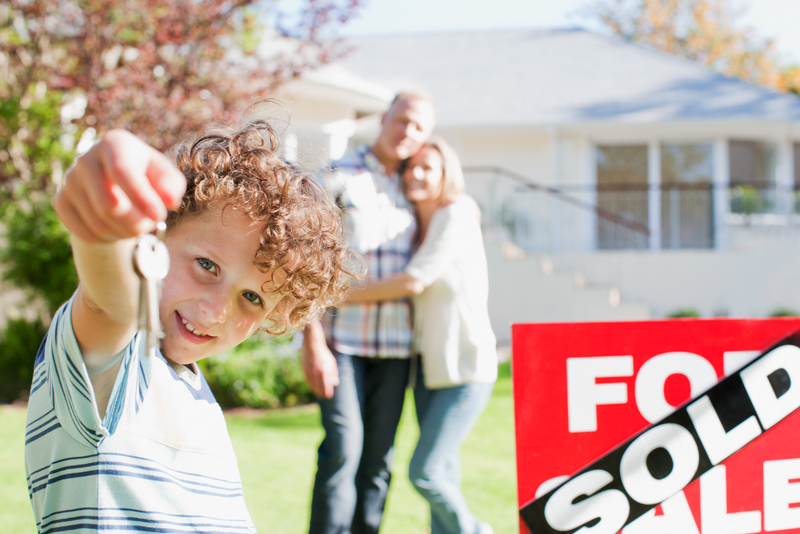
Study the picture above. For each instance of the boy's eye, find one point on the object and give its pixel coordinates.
(208, 265)
(252, 297)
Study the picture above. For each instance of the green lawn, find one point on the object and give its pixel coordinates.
(277, 454)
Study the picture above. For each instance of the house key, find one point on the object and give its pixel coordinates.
(151, 263)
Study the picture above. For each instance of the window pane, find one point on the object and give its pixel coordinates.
(622, 193)
(687, 164)
(686, 196)
(752, 163)
(796, 194)
(796, 151)
(752, 169)
(622, 165)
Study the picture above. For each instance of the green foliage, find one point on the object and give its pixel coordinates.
(784, 312)
(683, 313)
(19, 343)
(37, 256)
(747, 200)
(262, 372)
(32, 127)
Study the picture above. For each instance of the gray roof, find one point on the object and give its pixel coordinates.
(562, 76)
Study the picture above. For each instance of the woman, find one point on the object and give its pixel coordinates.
(448, 280)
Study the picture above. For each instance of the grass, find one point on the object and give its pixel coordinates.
(15, 508)
(277, 455)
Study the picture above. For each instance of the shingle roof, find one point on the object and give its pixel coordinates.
(562, 76)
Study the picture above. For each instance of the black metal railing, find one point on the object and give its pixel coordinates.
(543, 218)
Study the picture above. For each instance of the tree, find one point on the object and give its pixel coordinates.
(159, 68)
(700, 30)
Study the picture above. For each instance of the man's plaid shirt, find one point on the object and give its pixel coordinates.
(380, 225)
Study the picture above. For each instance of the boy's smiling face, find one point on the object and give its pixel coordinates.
(214, 296)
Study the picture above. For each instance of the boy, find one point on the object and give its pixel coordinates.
(119, 439)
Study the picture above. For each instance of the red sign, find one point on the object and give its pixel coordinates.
(583, 390)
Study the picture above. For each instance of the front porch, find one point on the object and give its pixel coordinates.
(728, 195)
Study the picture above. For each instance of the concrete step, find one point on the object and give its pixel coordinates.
(526, 289)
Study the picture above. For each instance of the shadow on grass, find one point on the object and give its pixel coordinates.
(300, 417)
(307, 416)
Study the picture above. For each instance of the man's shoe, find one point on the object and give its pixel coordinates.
(484, 528)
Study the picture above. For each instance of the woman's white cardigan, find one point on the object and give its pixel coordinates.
(451, 317)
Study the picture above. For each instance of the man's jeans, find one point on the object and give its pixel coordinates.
(446, 417)
(355, 456)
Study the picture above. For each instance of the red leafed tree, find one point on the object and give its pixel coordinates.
(159, 68)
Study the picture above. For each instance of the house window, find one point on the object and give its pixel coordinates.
(796, 193)
(686, 196)
(622, 196)
(752, 177)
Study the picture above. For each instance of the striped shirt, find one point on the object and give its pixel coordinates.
(160, 460)
(380, 225)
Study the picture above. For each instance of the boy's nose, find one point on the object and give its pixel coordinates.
(215, 307)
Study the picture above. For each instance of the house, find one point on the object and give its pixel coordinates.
(616, 181)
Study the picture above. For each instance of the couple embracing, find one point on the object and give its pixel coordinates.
(420, 317)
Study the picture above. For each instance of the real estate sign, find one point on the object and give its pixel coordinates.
(658, 427)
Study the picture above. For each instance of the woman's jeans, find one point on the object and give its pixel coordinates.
(355, 456)
(446, 417)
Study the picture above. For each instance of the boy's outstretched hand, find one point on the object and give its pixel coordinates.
(118, 190)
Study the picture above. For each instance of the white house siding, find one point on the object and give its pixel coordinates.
(322, 111)
(520, 100)
(527, 154)
(751, 272)
(311, 140)
(750, 283)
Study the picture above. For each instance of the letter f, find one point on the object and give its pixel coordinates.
(584, 394)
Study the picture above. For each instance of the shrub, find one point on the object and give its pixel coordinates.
(683, 313)
(262, 372)
(784, 312)
(19, 343)
(37, 256)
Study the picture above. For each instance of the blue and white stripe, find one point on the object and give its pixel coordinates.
(159, 460)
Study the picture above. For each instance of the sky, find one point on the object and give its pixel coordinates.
(774, 19)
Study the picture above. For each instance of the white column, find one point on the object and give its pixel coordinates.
(556, 240)
(289, 145)
(589, 149)
(721, 196)
(784, 176)
(654, 193)
(339, 133)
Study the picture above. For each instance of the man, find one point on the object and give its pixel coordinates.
(357, 360)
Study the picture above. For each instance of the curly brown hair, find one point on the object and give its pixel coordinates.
(302, 241)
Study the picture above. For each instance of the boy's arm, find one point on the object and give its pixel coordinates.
(113, 193)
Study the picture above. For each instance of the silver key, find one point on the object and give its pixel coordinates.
(151, 263)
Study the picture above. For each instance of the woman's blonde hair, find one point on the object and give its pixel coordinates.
(452, 175)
